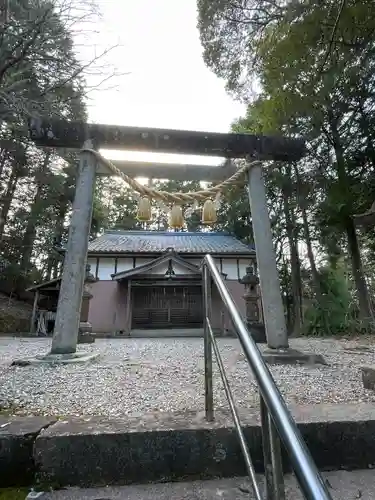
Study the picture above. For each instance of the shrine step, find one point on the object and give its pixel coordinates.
(342, 485)
(166, 332)
(161, 447)
(170, 447)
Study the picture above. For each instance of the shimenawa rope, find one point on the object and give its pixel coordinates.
(209, 211)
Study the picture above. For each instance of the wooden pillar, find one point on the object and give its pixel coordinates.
(85, 306)
(260, 304)
(33, 314)
(128, 325)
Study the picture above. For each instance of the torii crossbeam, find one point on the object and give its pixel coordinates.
(65, 134)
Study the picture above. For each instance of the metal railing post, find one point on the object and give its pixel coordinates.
(208, 386)
(276, 461)
(273, 467)
(236, 419)
(277, 421)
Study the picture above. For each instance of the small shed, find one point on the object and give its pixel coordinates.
(46, 296)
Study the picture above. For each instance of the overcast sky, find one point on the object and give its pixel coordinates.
(168, 84)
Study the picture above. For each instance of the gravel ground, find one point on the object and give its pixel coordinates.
(159, 375)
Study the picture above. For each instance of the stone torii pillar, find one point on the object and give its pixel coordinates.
(74, 272)
(65, 335)
(273, 309)
(278, 351)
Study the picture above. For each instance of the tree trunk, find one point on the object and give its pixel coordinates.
(310, 253)
(297, 265)
(365, 309)
(315, 278)
(294, 257)
(52, 268)
(7, 199)
(285, 290)
(2, 161)
(30, 232)
(32, 222)
(49, 267)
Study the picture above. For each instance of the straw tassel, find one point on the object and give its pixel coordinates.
(176, 219)
(144, 209)
(209, 212)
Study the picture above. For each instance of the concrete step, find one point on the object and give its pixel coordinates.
(161, 447)
(167, 332)
(167, 447)
(342, 485)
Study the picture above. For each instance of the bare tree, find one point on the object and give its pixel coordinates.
(40, 70)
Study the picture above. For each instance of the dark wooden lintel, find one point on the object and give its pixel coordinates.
(71, 135)
(175, 282)
(178, 172)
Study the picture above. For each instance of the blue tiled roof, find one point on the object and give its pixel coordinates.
(159, 242)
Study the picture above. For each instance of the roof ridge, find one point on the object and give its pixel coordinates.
(158, 241)
(120, 232)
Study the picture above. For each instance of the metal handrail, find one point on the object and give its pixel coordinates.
(276, 419)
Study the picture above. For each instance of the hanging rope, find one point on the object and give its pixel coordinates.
(176, 219)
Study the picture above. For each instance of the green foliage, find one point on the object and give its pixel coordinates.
(234, 215)
(230, 33)
(335, 312)
(39, 74)
(13, 493)
(39, 71)
(315, 62)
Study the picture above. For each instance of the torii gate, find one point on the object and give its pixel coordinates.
(76, 135)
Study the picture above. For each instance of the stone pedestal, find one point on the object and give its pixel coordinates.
(368, 377)
(251, 296)
(257, 331)
(86, 338)
(85, 335)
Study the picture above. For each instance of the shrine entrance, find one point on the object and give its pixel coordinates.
(253, 152)
(159, 307)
